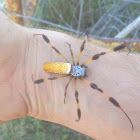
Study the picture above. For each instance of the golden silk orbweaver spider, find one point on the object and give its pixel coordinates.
(77, 72)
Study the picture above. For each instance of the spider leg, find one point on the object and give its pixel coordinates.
(96, 56)
(66, 88)
(111, 99)
(77, 100)
(52, 78)
(71, 53)
(48, 41)
(83, 45)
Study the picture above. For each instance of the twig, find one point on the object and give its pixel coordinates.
(80, 14)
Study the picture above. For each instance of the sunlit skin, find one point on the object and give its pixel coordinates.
(77, 71)
(118, 74)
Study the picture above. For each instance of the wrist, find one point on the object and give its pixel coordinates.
(105, 72)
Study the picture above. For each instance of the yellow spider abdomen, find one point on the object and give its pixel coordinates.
(57, 67)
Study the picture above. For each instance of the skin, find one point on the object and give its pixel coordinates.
(117, 74)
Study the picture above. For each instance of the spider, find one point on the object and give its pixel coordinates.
(77, 72)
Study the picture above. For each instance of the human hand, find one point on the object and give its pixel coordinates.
(22, 55)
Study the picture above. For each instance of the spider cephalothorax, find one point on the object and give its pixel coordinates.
(78, 72)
